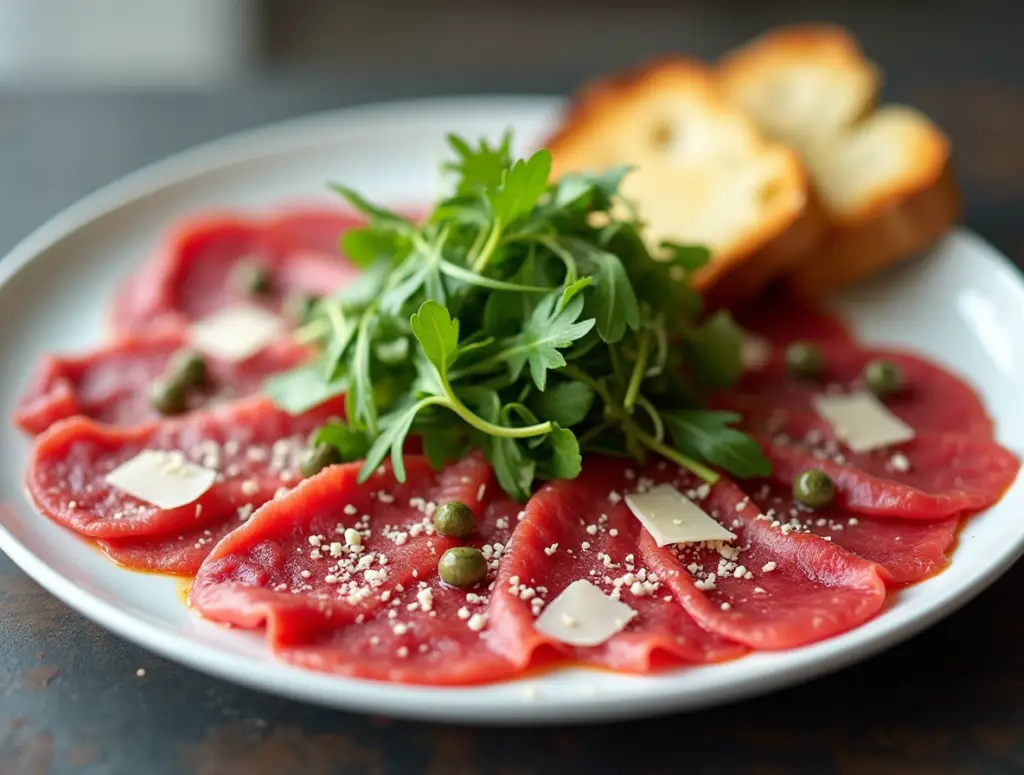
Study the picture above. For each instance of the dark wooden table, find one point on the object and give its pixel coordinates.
(950, 701)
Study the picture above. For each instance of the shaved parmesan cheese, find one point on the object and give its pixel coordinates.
(755, 351)
(862, 421)
(583, 615)
(672, 518)
(236, 333)
(165, 479)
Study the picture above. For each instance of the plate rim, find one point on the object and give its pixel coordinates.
(399, 700)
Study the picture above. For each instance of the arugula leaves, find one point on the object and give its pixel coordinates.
(524, 318)
(551, 327)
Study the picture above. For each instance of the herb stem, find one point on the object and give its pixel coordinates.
(506, 432)
(522, 432)
(656, 421)
(639, 370)
(481, 261)
(675, 456)
(653, 443)
(312, 332)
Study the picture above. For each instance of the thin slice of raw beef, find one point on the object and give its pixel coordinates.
(933, 398)
(374, 609)
(111, 384)
(254, 446)
(572, 530)
(190, 276)
(931, 477)
(774, 587)
(906, 550)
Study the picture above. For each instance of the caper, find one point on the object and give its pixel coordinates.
(298, 307)
(168, 396)
(804, 360)
(250, 278)
(187, 367)
(462, 566)
(454, 519)
(883, 378)
(317, 459)
(814, 489)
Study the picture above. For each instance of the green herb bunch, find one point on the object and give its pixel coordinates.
(526, 319)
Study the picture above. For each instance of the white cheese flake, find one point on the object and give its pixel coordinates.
(672, 518)
(162, 478)
(236, 332)
(594, 615)
(862, 421)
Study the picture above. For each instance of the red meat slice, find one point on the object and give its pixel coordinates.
(906, 551)
(189, 277)
(933, 476)
(429, 633)
(179, 555)
(774, 587)
(568, 530)
(932, 399)
(783, 320)
(289, 570)
(111, 384)
(255, 447)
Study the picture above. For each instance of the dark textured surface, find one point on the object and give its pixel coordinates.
(950, 701)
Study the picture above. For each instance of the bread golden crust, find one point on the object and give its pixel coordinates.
(882, 176)
(617, 120)
(899, 227)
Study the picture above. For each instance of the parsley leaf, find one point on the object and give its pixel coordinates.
(437, 334)
(482, 168)
(550, 327)
(687, 257)
(351, 443)
(302, 388)
(713, 352)
(522, 185)
(565, 461)
(610, 298)
(707, 435)
(565, 403)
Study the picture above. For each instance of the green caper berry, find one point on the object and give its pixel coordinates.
(187, 367)
(317, 459)
(168, 396)
(883, 378)
(804, 360)
(454, 520)
(462, 566)
(814, 489)
(250, 278)
(298, 307)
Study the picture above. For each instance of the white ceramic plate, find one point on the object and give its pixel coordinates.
(963, 304)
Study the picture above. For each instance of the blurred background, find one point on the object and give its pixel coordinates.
(91, 89)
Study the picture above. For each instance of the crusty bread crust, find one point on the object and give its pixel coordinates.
(892, 196)
(900, 226)
(610, 121)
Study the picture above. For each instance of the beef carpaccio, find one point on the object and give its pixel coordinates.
(344, 577)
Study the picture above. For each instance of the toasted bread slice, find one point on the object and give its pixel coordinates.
(703, 172)
(882, 177)
(802, 82)
(890, 192)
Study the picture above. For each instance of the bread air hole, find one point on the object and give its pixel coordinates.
(663, 135)
(769, 191)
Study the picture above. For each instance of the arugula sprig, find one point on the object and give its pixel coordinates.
(525, 318)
